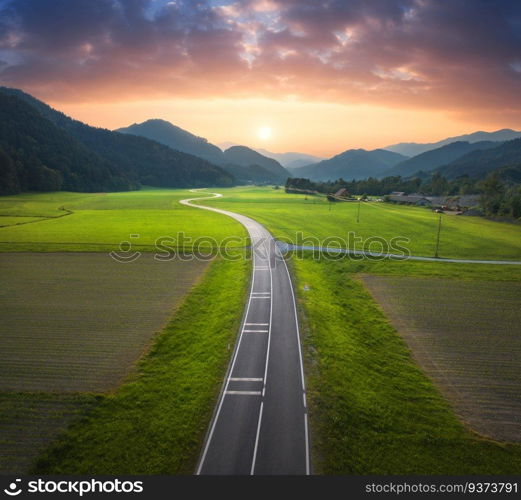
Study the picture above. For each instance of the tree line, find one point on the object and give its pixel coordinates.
(499, 194)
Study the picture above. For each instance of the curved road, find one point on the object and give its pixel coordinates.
(260, 423)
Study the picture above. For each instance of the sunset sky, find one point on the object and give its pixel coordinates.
(324, 76)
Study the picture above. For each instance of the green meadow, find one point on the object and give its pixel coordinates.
(285, 215)
(100, 221)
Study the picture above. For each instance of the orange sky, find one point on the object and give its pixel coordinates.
(317, 128)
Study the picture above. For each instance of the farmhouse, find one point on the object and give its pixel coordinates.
(418, 200)
(342, 193)
(456, 203)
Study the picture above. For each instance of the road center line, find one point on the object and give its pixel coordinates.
(244, 393)
(259, 422)
(245, 379)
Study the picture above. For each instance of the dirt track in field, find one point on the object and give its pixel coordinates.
(467, 336)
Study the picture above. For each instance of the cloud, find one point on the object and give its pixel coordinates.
(462, 56)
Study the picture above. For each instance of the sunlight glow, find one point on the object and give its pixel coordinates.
(264, 133)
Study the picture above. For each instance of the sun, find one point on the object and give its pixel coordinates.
(264, 133)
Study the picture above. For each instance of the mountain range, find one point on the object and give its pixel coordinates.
(288, 160)
(351, 164)
(435, 158)
(244, 163)
(453, 160)
(291, 159)
(413, 148)
(43, 144)
(42, 149)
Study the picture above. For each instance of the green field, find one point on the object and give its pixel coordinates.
(7, 220)
(287, 214)
(79, 321)
(100, 221)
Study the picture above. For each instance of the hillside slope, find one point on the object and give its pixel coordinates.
(181, 140)
(244, 156)
(175, 137)
(477, 164)
(37, 155)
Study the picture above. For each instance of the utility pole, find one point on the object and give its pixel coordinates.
(438, 238)
(358, 213)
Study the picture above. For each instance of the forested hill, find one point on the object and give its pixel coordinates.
(45, 150)
(435, 158)
(479, 163)
(175, 137)
(37, 155)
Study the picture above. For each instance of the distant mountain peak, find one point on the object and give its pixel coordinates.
(434, 158)
(414, 149)
(242, 162)
(245, 156)
(351, 164)
(175, 137)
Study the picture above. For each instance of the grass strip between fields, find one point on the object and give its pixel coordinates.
(372, 410)
(155, 422)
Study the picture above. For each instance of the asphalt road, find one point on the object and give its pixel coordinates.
(260, 422)
(284, 247)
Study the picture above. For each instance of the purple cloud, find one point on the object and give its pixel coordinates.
(463, 55)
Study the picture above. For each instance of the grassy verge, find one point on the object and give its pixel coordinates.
(372, 410)
(155, 423)
(29, 422)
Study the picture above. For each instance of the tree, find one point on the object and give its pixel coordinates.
(9, 183)
(493, 191)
